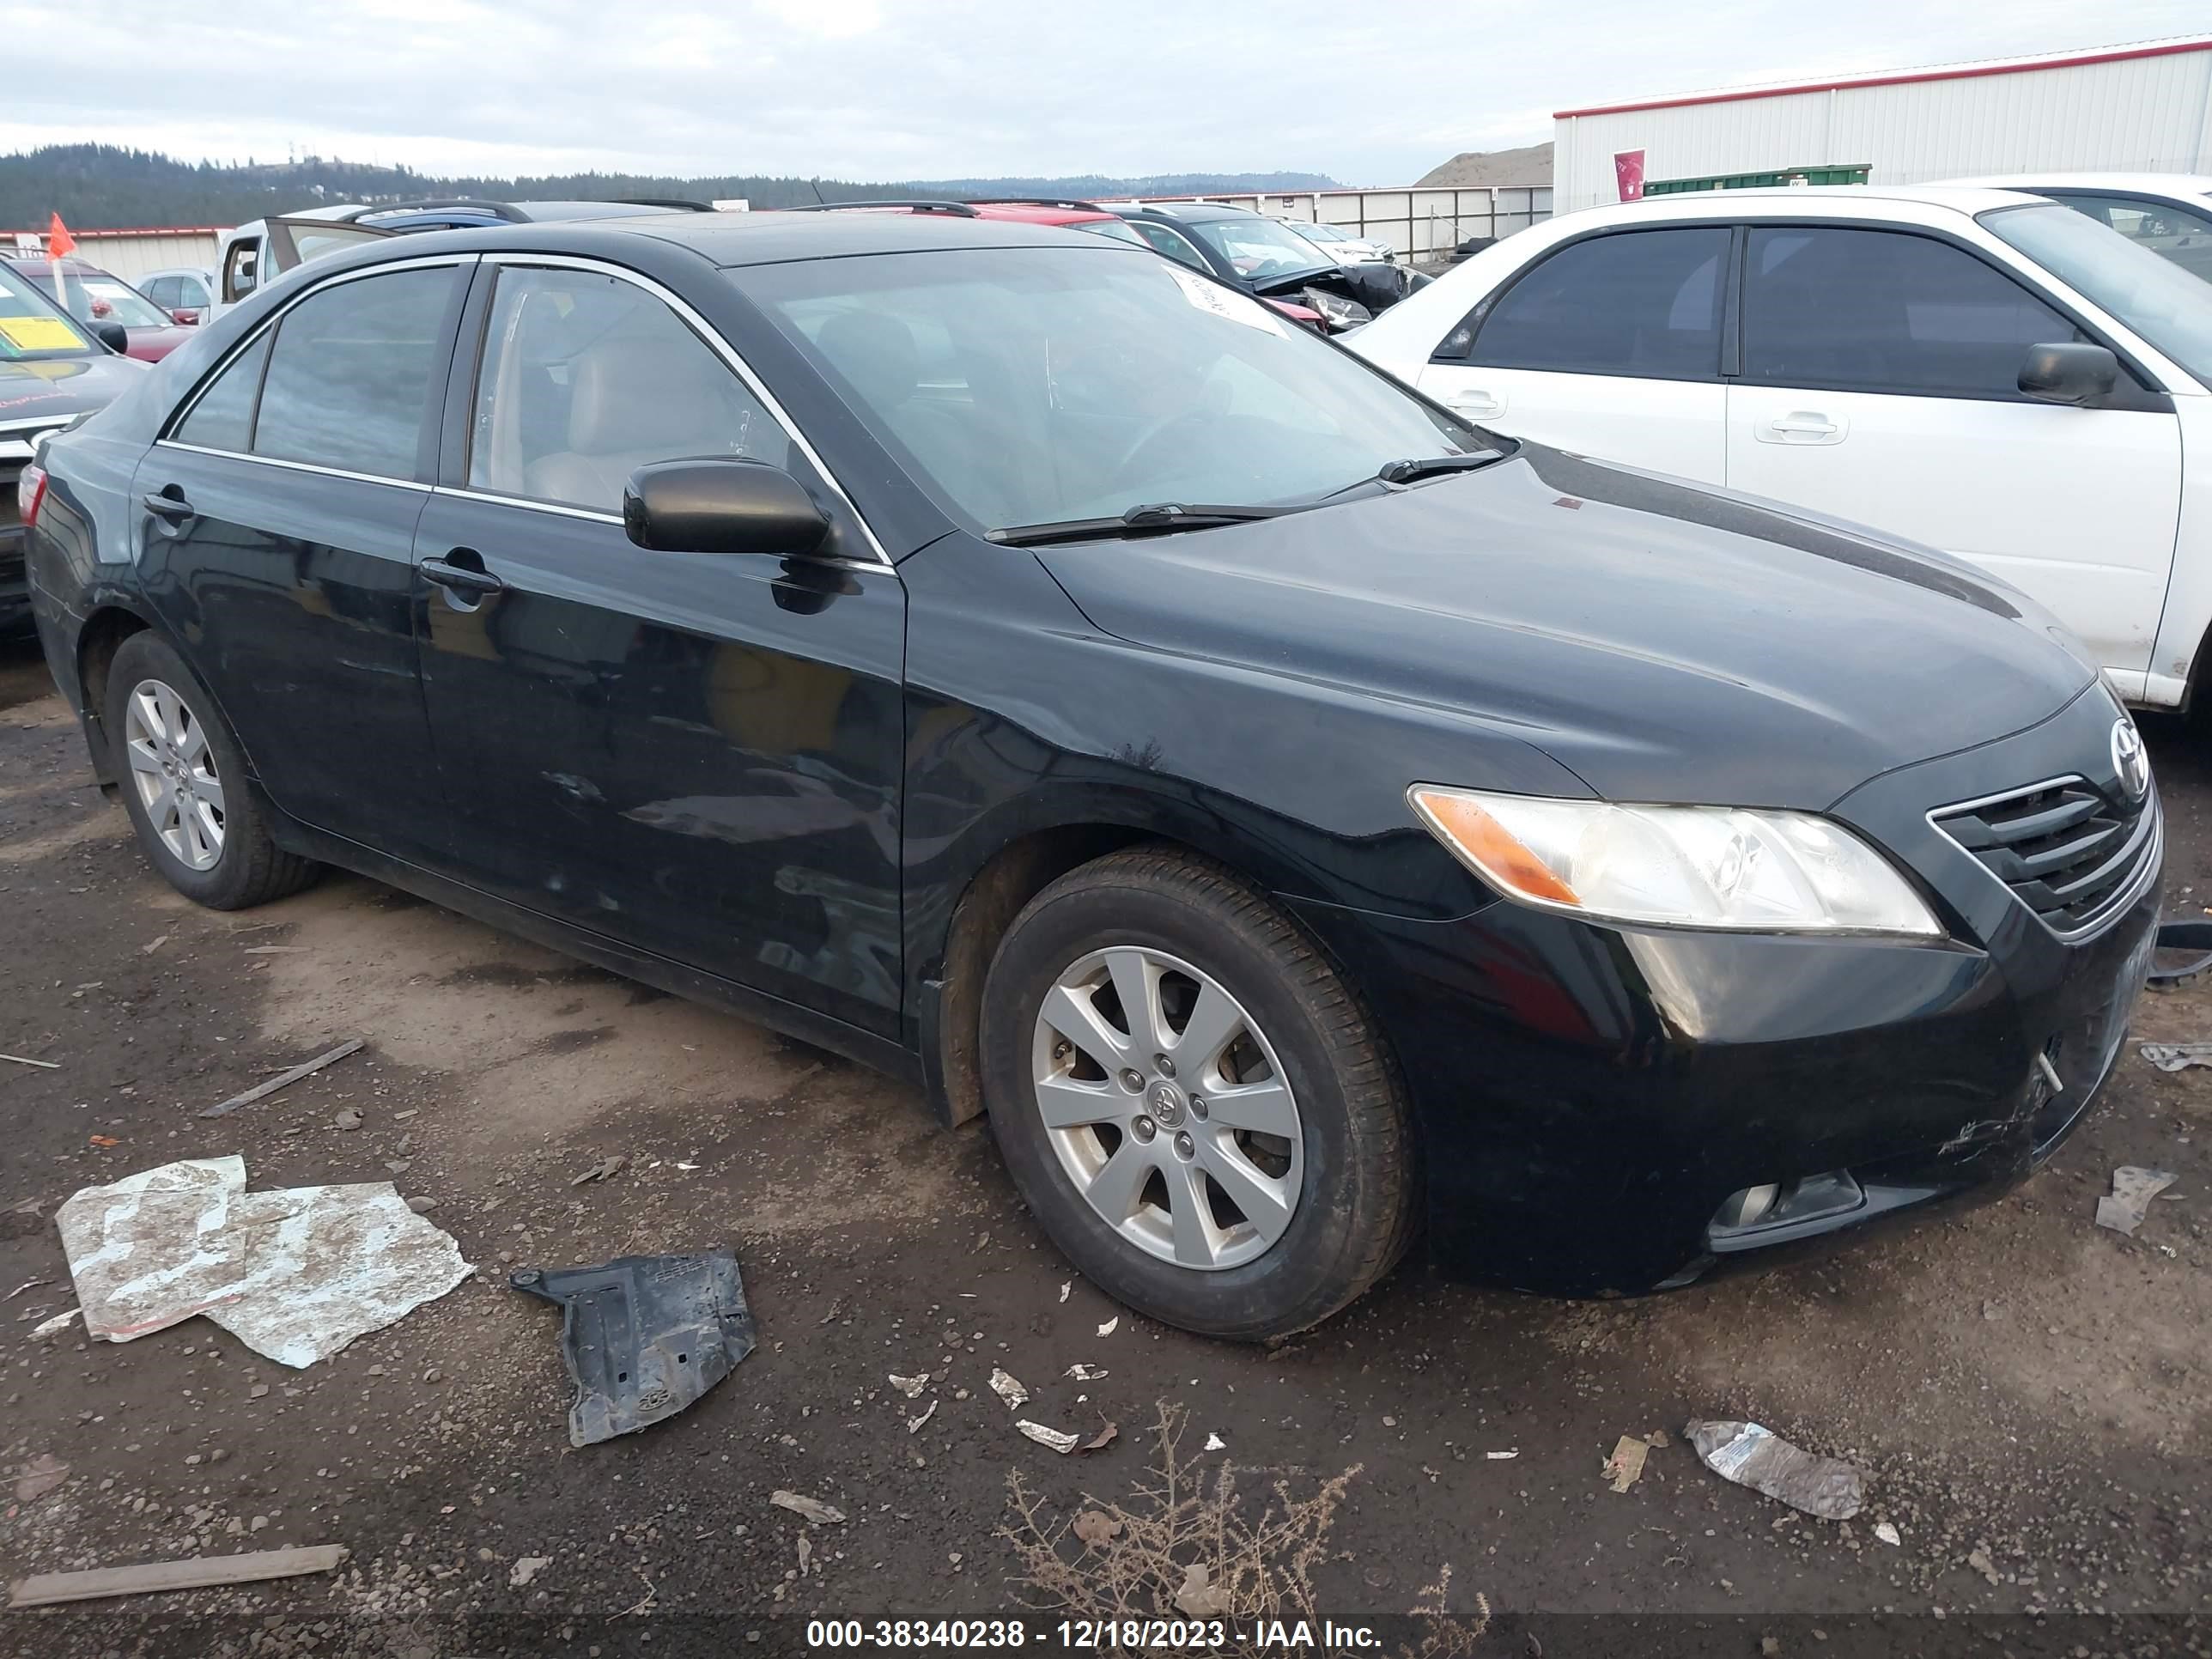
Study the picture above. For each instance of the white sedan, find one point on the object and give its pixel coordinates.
(2168, 213)
(1981, 371)
(1340, 244)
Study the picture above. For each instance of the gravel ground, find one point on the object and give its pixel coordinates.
(2030, 1396)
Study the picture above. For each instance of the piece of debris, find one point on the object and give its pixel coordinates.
(1008, 1387)
(1658, 1438)
(1083, 1373)
(39, 1476)
(1198, 1598)
(1215, 1443)
(295, 1273)
(27, 1285)
(913, 1424)
(347, 1118)
(2177, 1056)
(1101, 1440)
(1978, 1559)
(1062, 1443)
(1500, 1456)
(1625, 1466)
(527, 1568)
(1753, 1456)
(103, 1141)
(1066, 1286)
(813, 1510)
(599, 1171)
(2133, 1188)
(643, 1336)
(911, 1386)
(1095, 1527)
(1106, 1329)
(285, 1079)
(805, 1554)
(1887, 1533)
(422, 1206)
(41, 1589)
(55, 1065)
(274, 950)
(56, 1323)
(152, 945)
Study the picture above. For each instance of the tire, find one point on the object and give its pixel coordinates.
(228, 862)
(1210, 951)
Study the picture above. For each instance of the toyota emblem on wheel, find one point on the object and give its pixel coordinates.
(2128, 760)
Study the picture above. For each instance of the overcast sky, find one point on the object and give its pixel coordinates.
(880, 90)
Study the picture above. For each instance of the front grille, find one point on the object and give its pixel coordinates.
(2068, 851)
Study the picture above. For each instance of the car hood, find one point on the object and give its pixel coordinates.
(151, 345)
(61, 386)
(1663, 642)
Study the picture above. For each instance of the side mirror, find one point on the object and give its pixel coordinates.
(2075, 374)
(185, 319)
(114, 337)
(721, 507)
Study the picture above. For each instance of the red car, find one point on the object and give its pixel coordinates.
(1044, 211)
(93, 297)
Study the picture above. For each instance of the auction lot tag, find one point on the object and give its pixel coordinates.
(39, 334)
(1211, 296)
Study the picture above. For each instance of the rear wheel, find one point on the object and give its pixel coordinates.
(184, 783)
(1194, 1104)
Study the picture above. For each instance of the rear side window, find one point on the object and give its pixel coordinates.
(586, 378)
(1645, 304)
(224, 417)
(165, 291)
(1883, 311)
(350, 378)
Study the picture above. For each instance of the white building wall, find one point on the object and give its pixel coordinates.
(2145, 114)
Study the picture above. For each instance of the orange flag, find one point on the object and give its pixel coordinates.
(59, 243)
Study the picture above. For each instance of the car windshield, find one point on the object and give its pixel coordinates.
(32, 327)
(1259, 248)
(1320, 233)
(93, 297)
(2158, 300)
(1041, 386)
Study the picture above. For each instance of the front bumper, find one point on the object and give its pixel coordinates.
(1590, 1096)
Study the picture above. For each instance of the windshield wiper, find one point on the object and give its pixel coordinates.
(1434, 466)
(1154, 519)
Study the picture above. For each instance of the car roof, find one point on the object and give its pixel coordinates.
(1920, 204)
(2183, 186)
(69, 262)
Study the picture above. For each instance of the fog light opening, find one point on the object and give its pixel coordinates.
(1782, 1209)
(1748, 1207)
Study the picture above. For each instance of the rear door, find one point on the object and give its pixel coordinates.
(696, 754)
(278, 519)
(1880, 383)
(1609, 345)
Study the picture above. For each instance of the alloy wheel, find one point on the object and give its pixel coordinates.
(1168, 1108)
(173, 770)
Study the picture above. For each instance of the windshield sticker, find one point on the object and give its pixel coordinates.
(1222, 302)
(39, 334)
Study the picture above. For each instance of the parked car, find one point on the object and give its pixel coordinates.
(1288, 812)
(93, 297)
(254, 254)
(53, 369)
(185, 291)
(2168, 213)
(1339, 243)
(1263, 257)
(1979, 371)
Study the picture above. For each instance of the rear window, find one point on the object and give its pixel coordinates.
(350, 378)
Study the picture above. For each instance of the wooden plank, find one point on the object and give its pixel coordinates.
(283, 1079)
(41, 1589)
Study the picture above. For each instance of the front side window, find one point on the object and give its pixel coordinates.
(1163, 238)
(586, 378)
(351, 377)
(1645, 304)
(1884, 311)
(241, 270)
(2149, 294)
(1037, 385)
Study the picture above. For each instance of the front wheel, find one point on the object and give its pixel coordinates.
(1192, 1101)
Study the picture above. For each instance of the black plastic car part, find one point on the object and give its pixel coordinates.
(644, 1335)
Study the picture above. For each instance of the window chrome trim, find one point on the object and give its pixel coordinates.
(536, 506)
(721, 348)
(321, 471)
(183, 412)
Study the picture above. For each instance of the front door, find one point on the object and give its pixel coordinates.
(697, 754)
(277, 523)
(1610, 346)
(1880, 383)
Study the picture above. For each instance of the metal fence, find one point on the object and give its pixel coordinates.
(1423, 225)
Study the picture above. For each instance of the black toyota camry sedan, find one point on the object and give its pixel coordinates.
(1300, 822)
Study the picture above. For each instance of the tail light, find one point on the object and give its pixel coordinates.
(30, 490)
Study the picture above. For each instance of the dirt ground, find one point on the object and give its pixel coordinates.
(2030, 1396)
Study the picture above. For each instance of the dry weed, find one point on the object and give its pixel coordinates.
(1178, 1549)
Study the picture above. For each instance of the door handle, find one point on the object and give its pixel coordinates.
(1801, 426)
(174, 510)
(460, 579)
(1476, 405)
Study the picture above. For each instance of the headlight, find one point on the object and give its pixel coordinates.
(1337, 311)
(1676, 866)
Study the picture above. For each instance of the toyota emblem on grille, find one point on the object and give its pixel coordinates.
(2128, 760)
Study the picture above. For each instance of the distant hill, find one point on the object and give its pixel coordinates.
(97, 186)
(1529, 165)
